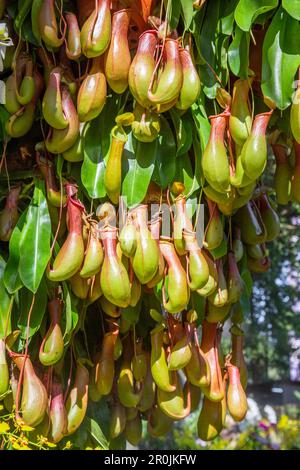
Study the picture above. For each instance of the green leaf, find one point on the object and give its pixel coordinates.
(248, 10)
(281, 58)
(200, 140)
(90, 429)
(34, 20)
(227, 16)
(188, 12)
(93, 166)
(132, 314)
(27, 32)
(196, 25)
(197, 302)
(174, 13)
(202, 123)
(192, 205)
(221, 250)
(24, 8)
(5, 304)
(11, 277)
(245, 303)
(222, 43)
(247, 278)
(4, 115)
(165, 163)
(184, 172)
(238, 53)
(59, 165)
(97, 434)
(35, 240)
(101, 413)
(183, 131)
(118, 443)
(281, 119)
(206, 45)
(137, 165)
(38, 310)
(292, 7)
(96, 148)
(70, 319)
(158, 289)
(263, 19)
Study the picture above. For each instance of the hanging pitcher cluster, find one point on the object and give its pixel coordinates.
(236, 154)
(85, 55)
(146, 287)
(134, 315)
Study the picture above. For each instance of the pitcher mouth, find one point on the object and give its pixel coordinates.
(266, 113)
(152, 31)
(157, 218)
(166, 240)
(108, 229)
(128, 10)
(225, 113)
(186, 231)
(140, 206)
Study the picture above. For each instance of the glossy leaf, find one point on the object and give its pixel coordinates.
(220, 251)
(264, 17)
(227, 16)
(22, 13)
(4, 115)
(93, 166)
(183, 131)
(11, 276)
(96, 148)
(95, 427)
(197, 302)
(35, 240)
(247, 278)
(292, 7)
(196, 25)
(245, 302)
(205, 39)
(96, 433)
(70, 318)
(132, 314)
(188, 12)
(184, 172)
(174, 13)
(281, 58)
(238, 53)
(202, 123)
(247, 10)
(165, 163)
(5, 304)
(222, 44)
(34, 21)
(38, 310)
(27, 32)
(59, 165)
(138, 165)
(198, 176)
